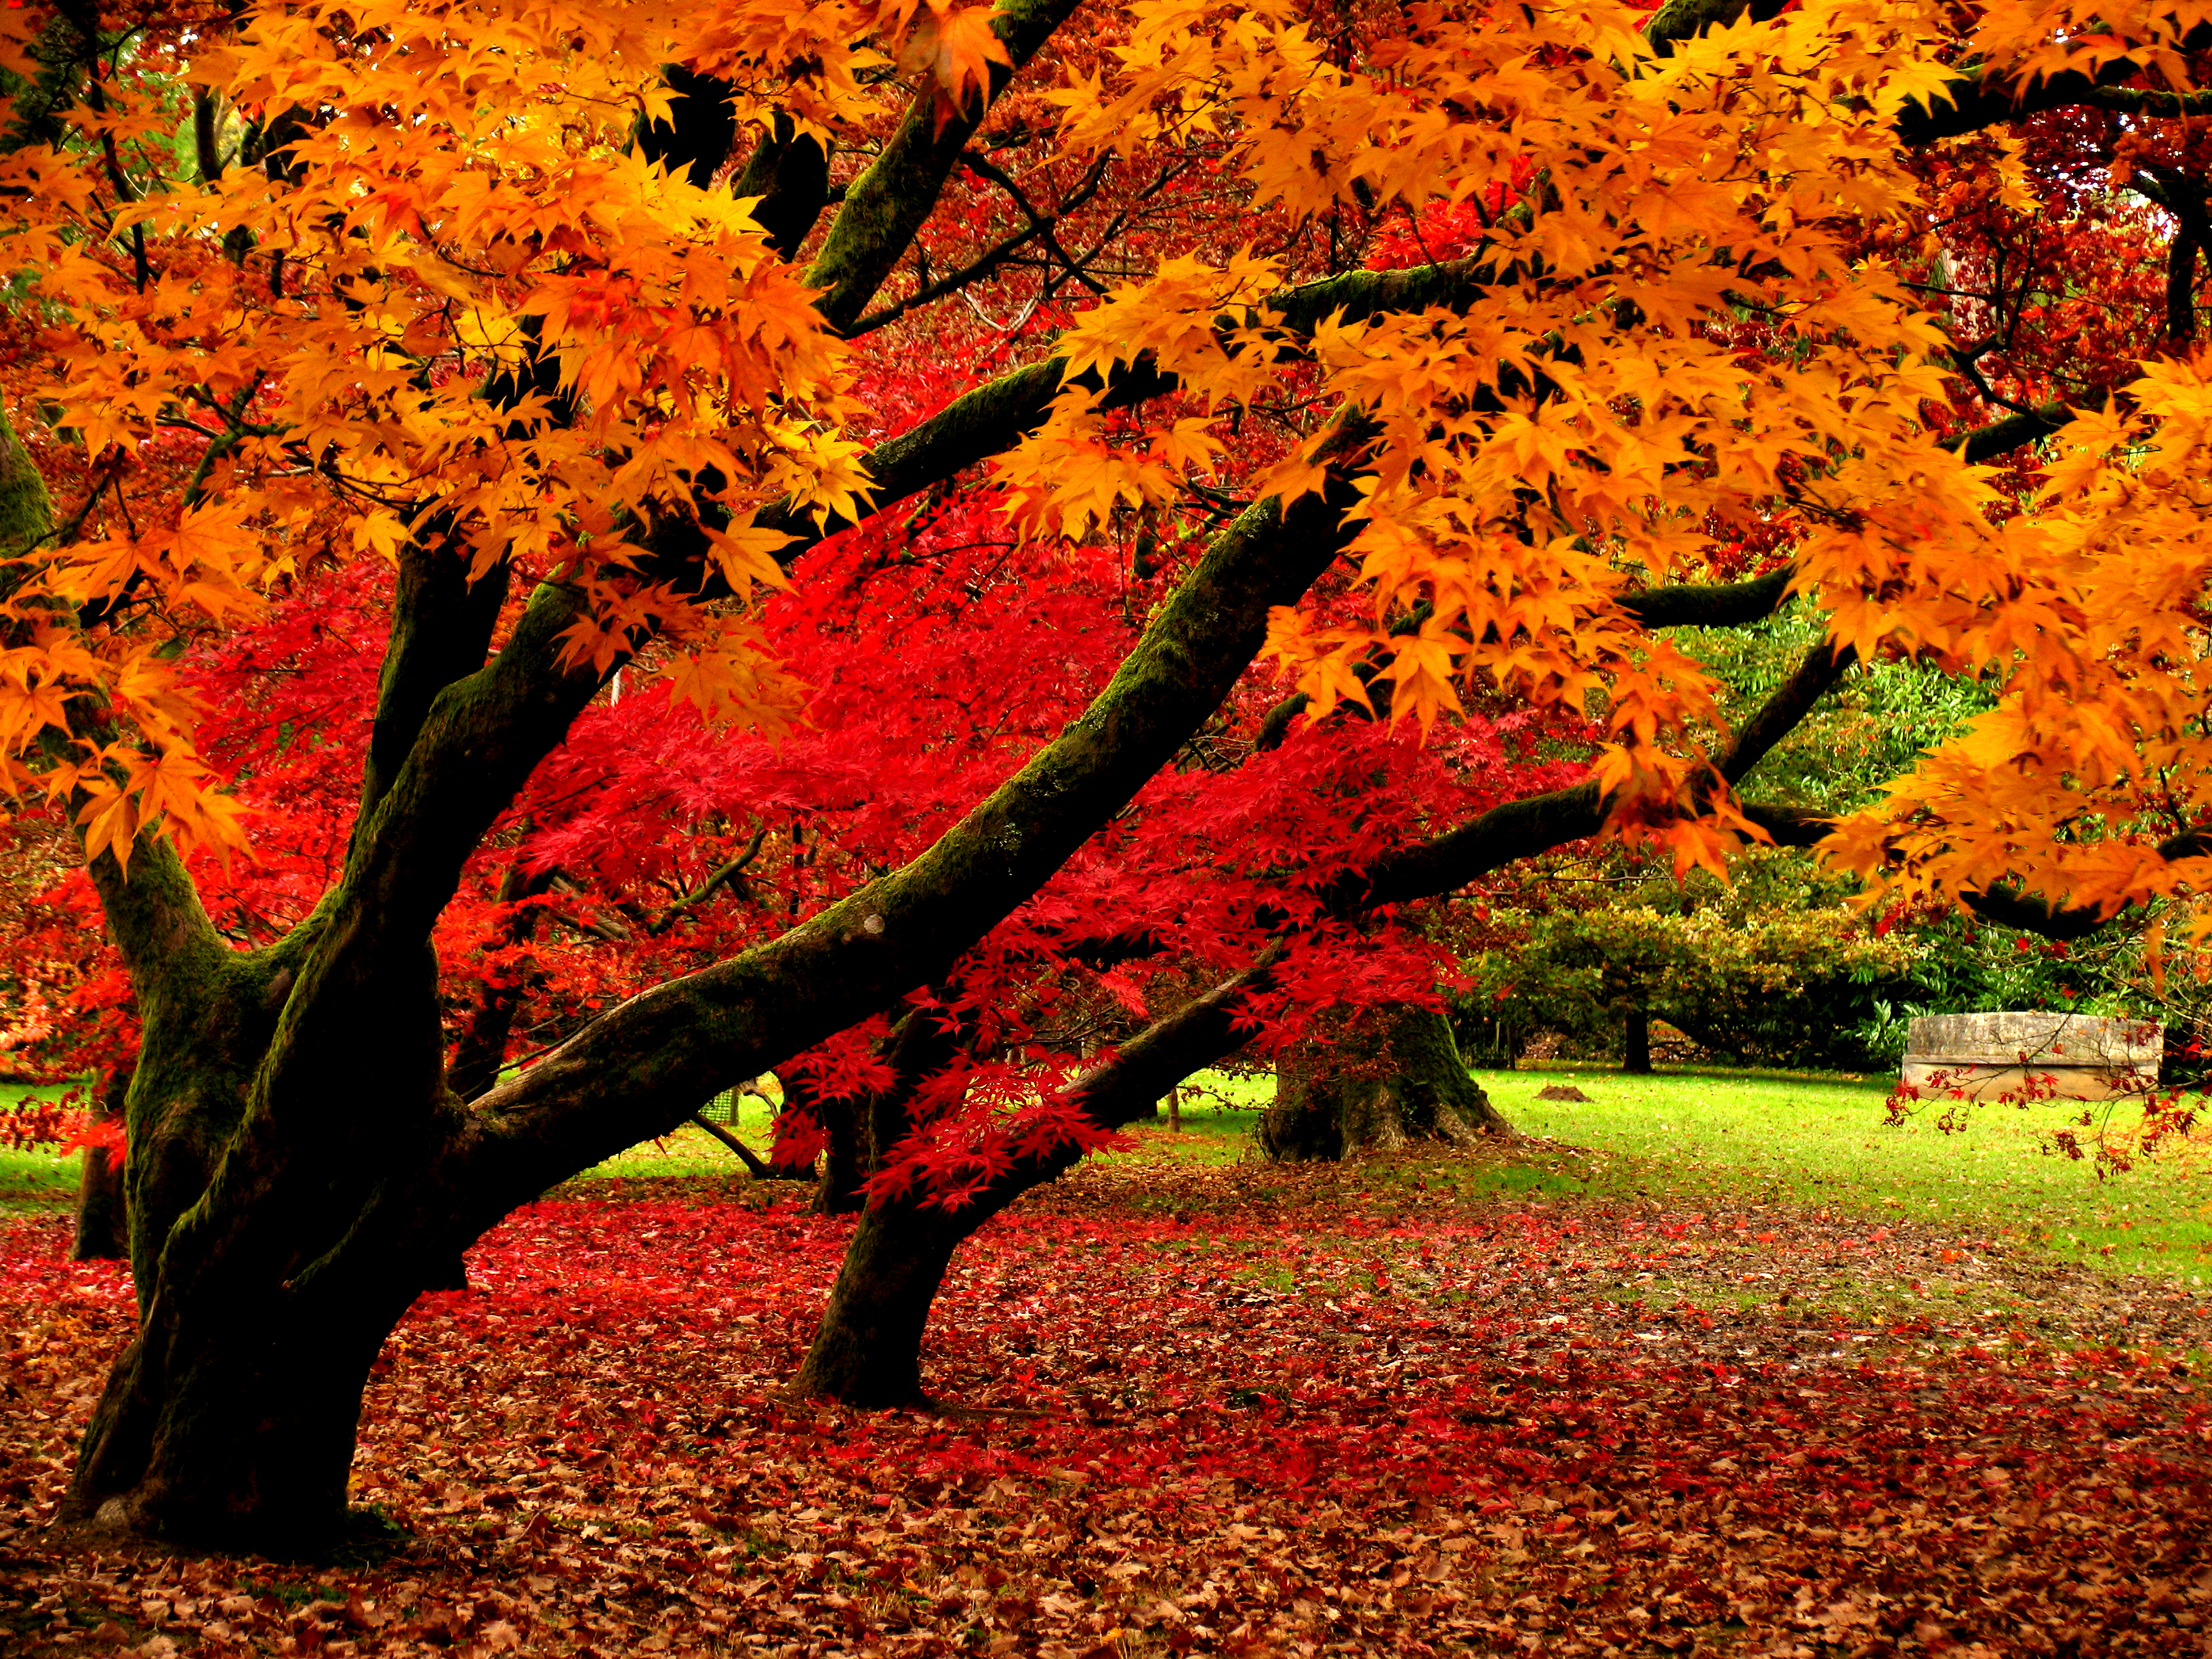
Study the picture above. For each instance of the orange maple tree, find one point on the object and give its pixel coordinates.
(576, 318)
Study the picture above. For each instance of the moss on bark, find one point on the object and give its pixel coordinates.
(26, 512)
(1346, 1099)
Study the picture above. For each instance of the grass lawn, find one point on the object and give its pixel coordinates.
(1715, 1138)
(32, 1180)
(1759, 1139)
(1823, 1143)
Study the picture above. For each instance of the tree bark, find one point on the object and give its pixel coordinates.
(867, 1352)
(232, 1426)
(1411, 1087)
(1435, 1095)
(845, 1165)
(229, 1420)
(1305, 1122)
(1637, 1057)
(103, 1216)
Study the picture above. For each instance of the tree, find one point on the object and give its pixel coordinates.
(492, 296)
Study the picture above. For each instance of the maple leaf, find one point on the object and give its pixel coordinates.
(954, 46)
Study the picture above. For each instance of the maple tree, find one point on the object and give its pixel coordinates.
(547, 311)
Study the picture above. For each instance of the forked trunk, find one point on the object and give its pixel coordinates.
(228, 1421)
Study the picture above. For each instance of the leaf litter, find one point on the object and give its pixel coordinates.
(1201, 1410)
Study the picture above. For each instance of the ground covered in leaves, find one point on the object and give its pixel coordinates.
(1199, 1410)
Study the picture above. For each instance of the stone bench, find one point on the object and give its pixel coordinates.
(2087, 1057)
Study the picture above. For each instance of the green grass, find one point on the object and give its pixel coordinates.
(689, 1151)
(33, 1180)
(1737, 1138)
(1220, 1110)
(1706, 1138)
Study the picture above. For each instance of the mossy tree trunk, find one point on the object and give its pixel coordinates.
(1338, 1100)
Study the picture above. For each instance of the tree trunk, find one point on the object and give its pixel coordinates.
(1305, 1123)
(481, 1050)
(232, 1426)
(229, 1420)
(103, 1216)
(868, 1350)
(846, 1164)
(1436, 1095)
(862, 1132)
(1637, 1057)
(1327, 1110)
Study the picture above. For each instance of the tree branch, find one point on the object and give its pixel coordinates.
(789, 172)
(700, 132)
(1724, 605)
(994, 417)
(441, 626)
(644, 1063)
(757, 1166)
(1816, 675)
(707, 888)
(887, 203)
(1986, 443)
(2008, 907)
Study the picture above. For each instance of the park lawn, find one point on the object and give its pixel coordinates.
(1717, 1138)
(1821, 1142)
(34, 1180)
(1725, 1138)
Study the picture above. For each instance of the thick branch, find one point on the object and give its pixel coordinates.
(789, 173)
(995, 416)
(887, 204)
(441, 626)
(1974, 102)
(2032, 912)
(1684, 20)
(1814, 676)
(701, 128)
(1969, 102)
(1145, 1068)
(1986, 443)
(1725, 604)
(645, 1064)
(1789, 826)
(1516, 829)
